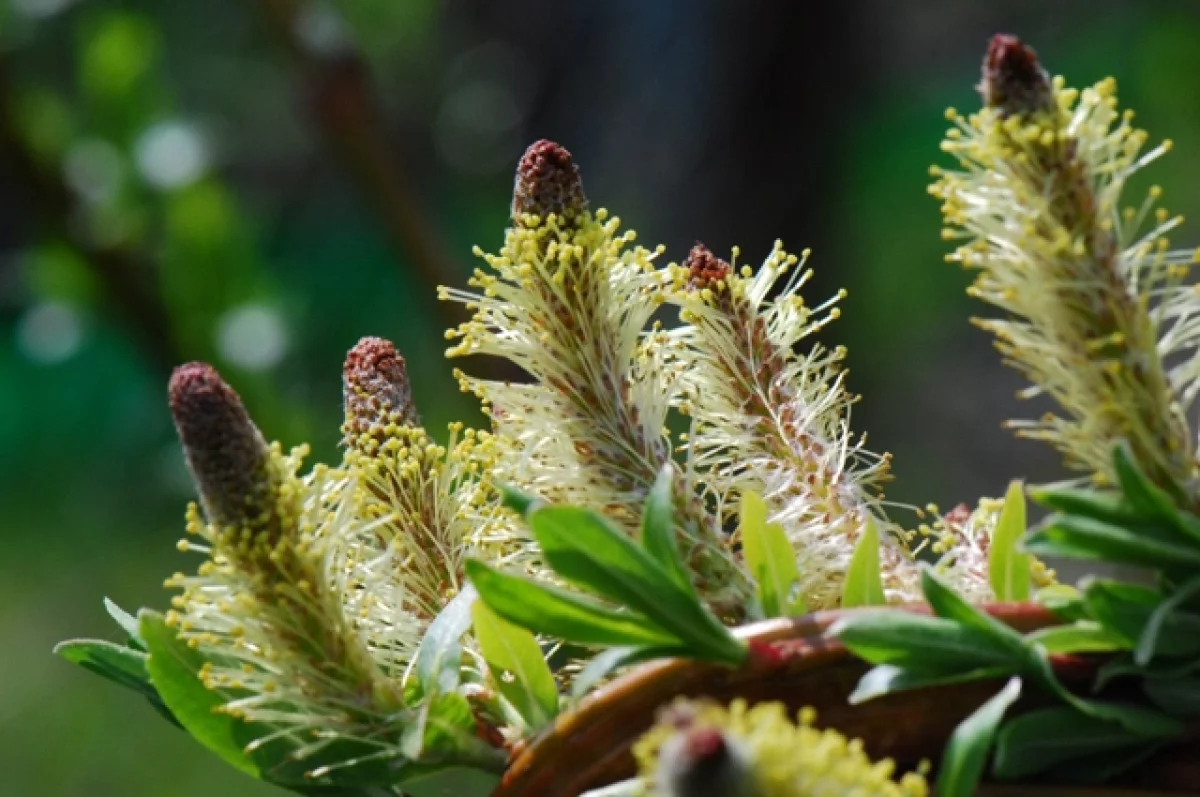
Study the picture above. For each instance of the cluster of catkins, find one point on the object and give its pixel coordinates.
(317, 587)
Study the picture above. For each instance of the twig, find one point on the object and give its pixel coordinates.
(127, 281)
(340, 93)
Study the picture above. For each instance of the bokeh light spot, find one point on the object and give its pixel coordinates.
(49, 332)
(171, 155)
(252, 336)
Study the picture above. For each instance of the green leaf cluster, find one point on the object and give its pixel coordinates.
(437, 751)
(635, 597)
(1152, 635)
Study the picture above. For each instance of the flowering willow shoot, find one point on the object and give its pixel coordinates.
(429, 617)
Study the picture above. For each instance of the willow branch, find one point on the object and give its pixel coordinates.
(127, 281)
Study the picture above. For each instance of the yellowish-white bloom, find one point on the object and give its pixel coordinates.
(701, 748)
(771, 419)
(267, 607)
(1098, 315)
(567, 300)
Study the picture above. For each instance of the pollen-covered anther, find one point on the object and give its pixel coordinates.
(375, 390)
(1013, 79)
(225, 451)
(704, 269)
(547, 182)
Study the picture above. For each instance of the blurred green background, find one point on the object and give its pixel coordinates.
(260, 183)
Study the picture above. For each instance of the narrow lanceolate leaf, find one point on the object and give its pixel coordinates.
(117, 663)
(439, 658)
(545, 610)
(1129, 611)
(517, 665)
(769, 556)
(1048, 738)
(1083, 636)
(451, 781)
(1080, 537)
(520, 502)
(962, 764)
(1179, 696)
(1066, 602)
(1169, 609)
(887, 679)
(1144, 495)
(864, 579)
(586, 550)
(658, 529)
(1109, 507)
(174, 668)
(1008, 566)
(609, 661)
(127, 621)
(122, 665)
(946, 603)
(918, 642)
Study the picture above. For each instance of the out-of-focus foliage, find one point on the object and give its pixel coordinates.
(179, 140)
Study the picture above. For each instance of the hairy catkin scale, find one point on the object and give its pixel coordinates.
(547, 182)
(375, 388)
(225, 451)
(1013, 80)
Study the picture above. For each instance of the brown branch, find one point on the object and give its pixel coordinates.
(126, 280)
(341, 96)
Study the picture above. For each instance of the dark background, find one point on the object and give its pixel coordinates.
(260, 183)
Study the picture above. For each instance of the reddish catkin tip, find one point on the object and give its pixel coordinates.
(704, 268)
(699, 760)
(548, 182)
(375, 388)
(1013, 79)
(225, 451)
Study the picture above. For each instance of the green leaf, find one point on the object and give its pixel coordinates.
(173, 669)
(886, 679)
(442, 731)
(658, 529)
(128, 623)
(1145, 496)
(1126, 611)
(121, 665)
(1123, 666)
(864, 580)
(439, 657)
(1148, 642)
(946, 603)
(117, 663)
(519, 502)
(517, 666)
(1079, 537)
(1107, 507)
(1084, 636)
(1065, 601)
(608, 661)
(962, 764)
(1179, 697)
(918, 642)
(1008, 567)
(452, 781)
(586, 550)
(769, 556)
(1049, 737)
(545, 610)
